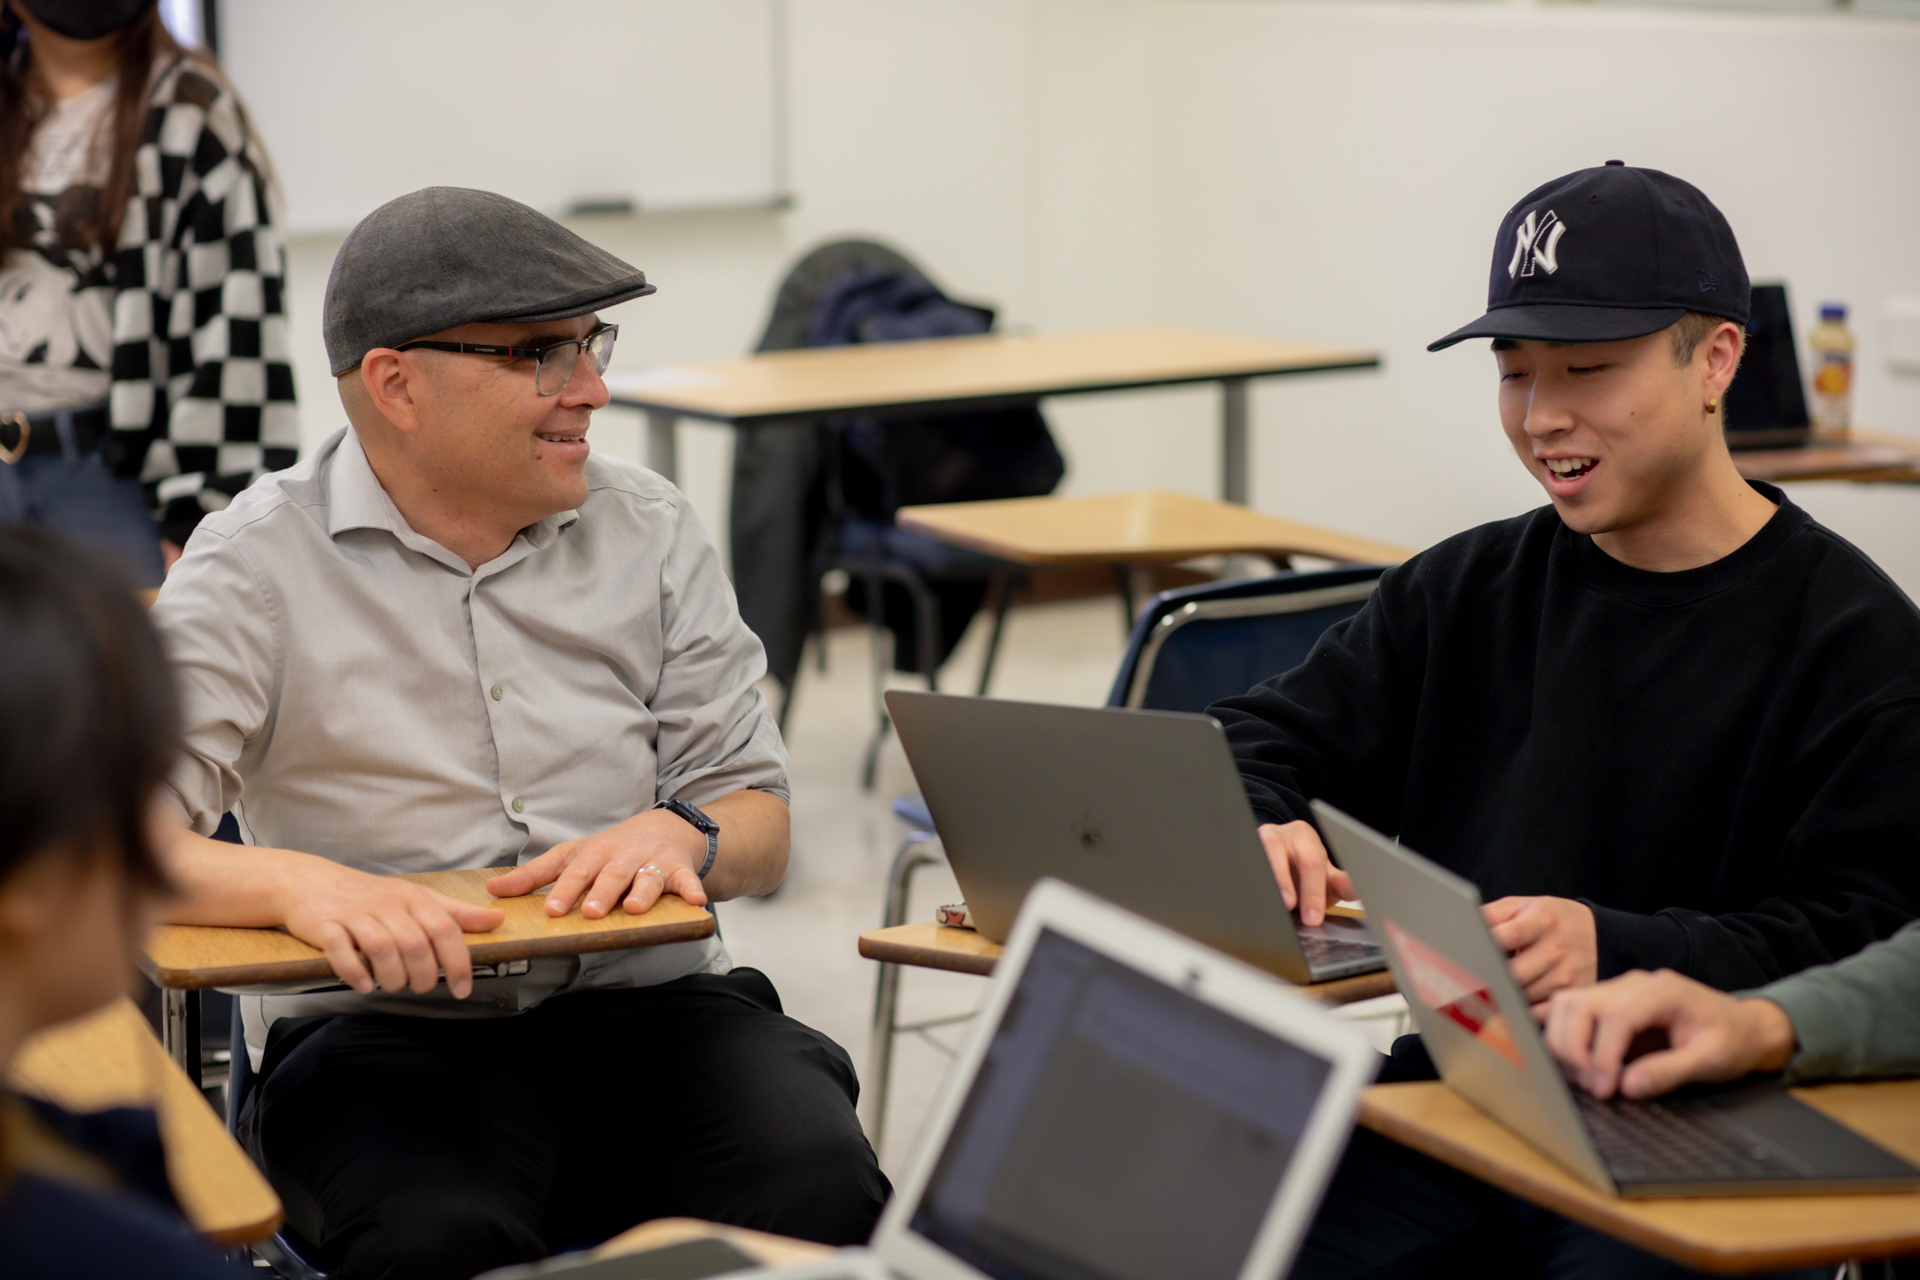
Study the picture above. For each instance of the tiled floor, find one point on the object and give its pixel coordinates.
(844, 839)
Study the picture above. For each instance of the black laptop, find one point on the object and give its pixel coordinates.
(1767, 402)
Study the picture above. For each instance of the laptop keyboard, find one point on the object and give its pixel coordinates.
(1324, 951)
(1671, 1142)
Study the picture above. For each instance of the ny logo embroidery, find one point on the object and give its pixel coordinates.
(1538, 244)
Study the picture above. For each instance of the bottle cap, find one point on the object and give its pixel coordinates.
(1833, 311)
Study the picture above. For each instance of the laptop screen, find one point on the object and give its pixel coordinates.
(1767, 398)
(1116, 1129)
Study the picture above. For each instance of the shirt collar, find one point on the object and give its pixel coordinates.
(357, 500)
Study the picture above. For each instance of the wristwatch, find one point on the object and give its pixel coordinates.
(701, 823)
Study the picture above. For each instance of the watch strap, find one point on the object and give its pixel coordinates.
(699, 822)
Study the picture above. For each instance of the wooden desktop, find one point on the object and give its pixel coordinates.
(110, 1059)
(925, 945)
(797, 387)
(1728, 1234)
(187, 959)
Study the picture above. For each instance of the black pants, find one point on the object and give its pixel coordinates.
(1393, 1214)
(425, 1148)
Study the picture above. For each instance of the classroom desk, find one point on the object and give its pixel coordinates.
(1878, 458)
(187, 959)
(771, 1250)
(994, 370)
(1149, 526)
(1732, 1234)
(936, 946)
(110, 1059)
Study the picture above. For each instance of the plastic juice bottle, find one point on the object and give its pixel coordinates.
(1832, 344)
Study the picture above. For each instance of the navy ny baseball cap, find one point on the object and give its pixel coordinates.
(1605, 254)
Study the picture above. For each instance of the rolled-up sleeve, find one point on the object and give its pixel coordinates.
(716, 733)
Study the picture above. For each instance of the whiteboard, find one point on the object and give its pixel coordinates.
(667, 104)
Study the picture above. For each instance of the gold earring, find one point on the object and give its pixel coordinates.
(1713, 404)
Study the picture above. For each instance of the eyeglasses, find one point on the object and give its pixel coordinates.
(555, 361)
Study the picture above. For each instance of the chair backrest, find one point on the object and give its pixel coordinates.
(808, 280)
(1196, 645)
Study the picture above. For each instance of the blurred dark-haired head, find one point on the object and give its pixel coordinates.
(88, 720)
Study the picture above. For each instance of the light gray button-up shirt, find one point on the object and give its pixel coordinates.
(352, 689)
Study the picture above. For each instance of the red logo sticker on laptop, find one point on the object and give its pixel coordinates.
(1446, 988)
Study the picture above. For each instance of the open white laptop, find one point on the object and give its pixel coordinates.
(1750, 1139)
(1144, 808)
(1130, 1105)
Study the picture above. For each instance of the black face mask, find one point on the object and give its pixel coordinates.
(85, 19)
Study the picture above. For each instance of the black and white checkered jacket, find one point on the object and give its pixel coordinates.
(202, 401)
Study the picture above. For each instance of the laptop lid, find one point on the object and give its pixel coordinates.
(1476, 1022)
(1766, 404)
(1129, 1105)
(1144, 808)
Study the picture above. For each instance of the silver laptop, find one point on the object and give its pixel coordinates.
(1144, 808)
(1129, 1106)
(1749, 1139)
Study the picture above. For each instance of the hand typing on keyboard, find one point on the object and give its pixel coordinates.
(1309, 881)
(1710, 1035)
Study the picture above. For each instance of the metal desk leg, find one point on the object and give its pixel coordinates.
(910, 857)
(180, 1029)
(1233, 440)
(663, 445)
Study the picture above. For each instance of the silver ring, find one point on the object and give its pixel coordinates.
(657, 871)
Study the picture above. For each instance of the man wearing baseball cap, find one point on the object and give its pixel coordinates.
(1666, 720)
(455, 637)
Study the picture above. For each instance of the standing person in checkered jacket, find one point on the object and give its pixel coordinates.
(144, 375)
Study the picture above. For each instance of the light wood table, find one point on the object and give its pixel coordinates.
(1864, 457)
(925, 945)
(771, 1250)
(187, 959)
(110, 1059)
(994, 370)
(1150, 526)
(1730, 1234)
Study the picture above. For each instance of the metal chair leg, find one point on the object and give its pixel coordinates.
(880, 652)
(1003, 584)
(1123, 579)
(870, 765)
(180, 1029)
(910, 857)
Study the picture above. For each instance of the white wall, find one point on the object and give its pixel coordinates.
(1330, 170)
(1338, 170)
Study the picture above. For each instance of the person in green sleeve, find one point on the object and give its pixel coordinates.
(1859, 1017)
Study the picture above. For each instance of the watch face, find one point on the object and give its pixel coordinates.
(693, 815)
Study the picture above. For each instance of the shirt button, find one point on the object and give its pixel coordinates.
(497, 692)
(519, 805)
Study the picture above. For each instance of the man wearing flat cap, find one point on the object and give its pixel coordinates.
(453, 637)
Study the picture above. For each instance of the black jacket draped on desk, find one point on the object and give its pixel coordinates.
(1723, 762)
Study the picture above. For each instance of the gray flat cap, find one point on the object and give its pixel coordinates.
(447, 256)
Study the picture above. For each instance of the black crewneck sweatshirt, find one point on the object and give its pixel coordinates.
(1724, 763)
